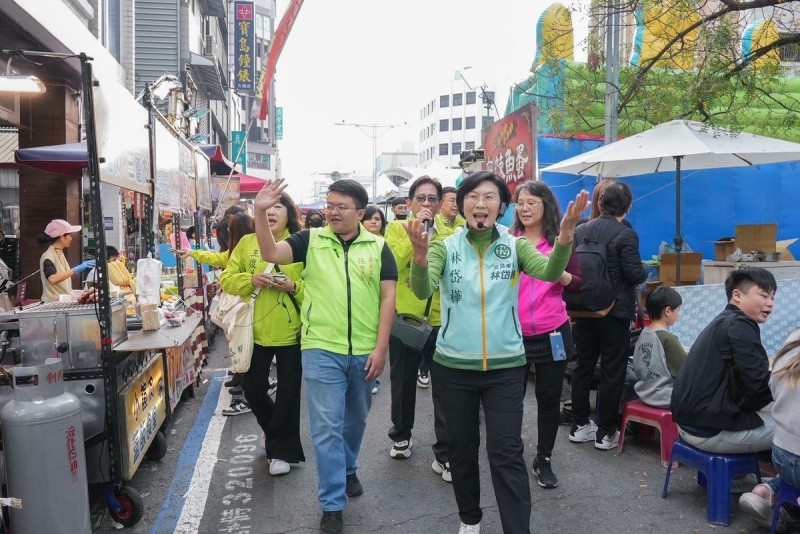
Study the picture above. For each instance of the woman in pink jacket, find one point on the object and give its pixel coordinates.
(546, 331)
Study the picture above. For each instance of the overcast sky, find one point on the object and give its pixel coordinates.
(380, 61)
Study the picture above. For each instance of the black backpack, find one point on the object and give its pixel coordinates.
(597, 295)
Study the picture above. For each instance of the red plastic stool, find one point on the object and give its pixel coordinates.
(661, 418)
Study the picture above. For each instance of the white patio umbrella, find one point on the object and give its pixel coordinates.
(677, 145)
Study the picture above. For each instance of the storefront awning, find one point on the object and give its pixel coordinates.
(68, 160)
(207, 76)
(219, 163)
(250, 184)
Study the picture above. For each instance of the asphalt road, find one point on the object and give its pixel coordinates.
(214, 479)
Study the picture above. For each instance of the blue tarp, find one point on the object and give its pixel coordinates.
(713, 201)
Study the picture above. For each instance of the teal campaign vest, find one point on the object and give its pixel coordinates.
(480, 327)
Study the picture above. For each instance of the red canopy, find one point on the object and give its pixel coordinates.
(249, 184)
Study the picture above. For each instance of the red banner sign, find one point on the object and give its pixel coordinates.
(509, 147)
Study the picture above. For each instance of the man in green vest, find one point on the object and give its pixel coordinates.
(347, 313)
(448, 216)
(424, 199)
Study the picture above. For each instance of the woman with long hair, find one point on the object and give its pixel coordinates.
(543, 317)
(760, 503)
(374, 220)
(238, 225)
(480, 356)
(276, 323)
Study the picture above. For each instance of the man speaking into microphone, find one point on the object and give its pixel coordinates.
(424, 201)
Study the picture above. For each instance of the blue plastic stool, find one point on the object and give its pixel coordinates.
(715, 471)
(786, 495)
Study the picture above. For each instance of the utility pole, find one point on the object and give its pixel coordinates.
(371, 131)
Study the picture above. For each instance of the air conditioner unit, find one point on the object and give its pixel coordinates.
(208, 46)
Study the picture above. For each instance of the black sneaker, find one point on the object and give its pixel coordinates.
(544, 473)
(235, 380)
(565, 417)
(354, 487)
(237, 407)
(331, 522)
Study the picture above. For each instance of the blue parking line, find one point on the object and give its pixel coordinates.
(168, 517)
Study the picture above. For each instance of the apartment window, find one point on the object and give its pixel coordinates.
(430, 155)
(456, 149)
(457, 124)
(486, 121)
(444, 101)
(457, 99)
(421, 135)
(470, 97)
(443, 149)
(470, 123)
(443, 125)
(487, 95)
(469, 145)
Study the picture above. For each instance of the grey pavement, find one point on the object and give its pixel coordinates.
(599, 491)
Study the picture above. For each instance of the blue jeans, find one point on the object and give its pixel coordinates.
(339, 399)
(788, 467)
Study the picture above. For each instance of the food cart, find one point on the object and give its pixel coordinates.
(129, 383)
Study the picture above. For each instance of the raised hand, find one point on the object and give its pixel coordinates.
(183, 253)
(419, 240)
(572, 215)
(269, 195)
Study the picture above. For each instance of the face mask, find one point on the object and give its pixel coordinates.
(315, 223)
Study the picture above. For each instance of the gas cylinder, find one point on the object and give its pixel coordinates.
(44, 453)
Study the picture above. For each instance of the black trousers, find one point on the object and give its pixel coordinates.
(280, 420)
(549, 384)
(502, 393)
(403, 365)
(607, 339)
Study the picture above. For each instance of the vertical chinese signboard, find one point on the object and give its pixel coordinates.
(239, 148)
(244, 44)
(510, 147)
(278, 124)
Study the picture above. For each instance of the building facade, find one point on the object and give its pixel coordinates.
(452, 120)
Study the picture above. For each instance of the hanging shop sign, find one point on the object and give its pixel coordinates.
(123, 141)
(278, 123)
(239, 148)
(168, 185)
(203, 174)
(510, 147)
(225, 191)
(244, 45)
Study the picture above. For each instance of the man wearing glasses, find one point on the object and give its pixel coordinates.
(347, 314)
(449, 217)
(399, 208)
(424, 199)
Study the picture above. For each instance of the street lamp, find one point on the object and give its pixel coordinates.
(19, 83)
(365, 128)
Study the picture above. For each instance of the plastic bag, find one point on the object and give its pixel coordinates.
(148, 280)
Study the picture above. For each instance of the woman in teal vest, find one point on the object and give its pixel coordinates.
(480, 357)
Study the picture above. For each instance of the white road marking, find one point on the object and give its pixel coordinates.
(197, 494)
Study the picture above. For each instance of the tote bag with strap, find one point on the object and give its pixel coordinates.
(235, 316)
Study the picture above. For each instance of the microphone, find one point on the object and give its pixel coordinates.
(425, 226)
(481, 226)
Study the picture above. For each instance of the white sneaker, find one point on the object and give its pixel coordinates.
(401, 449)
(757, 507)
(584, 433)
(607, 442)
(423, 379)
(442, 469)
(278, 467)
(469, 529)
(375, 387)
